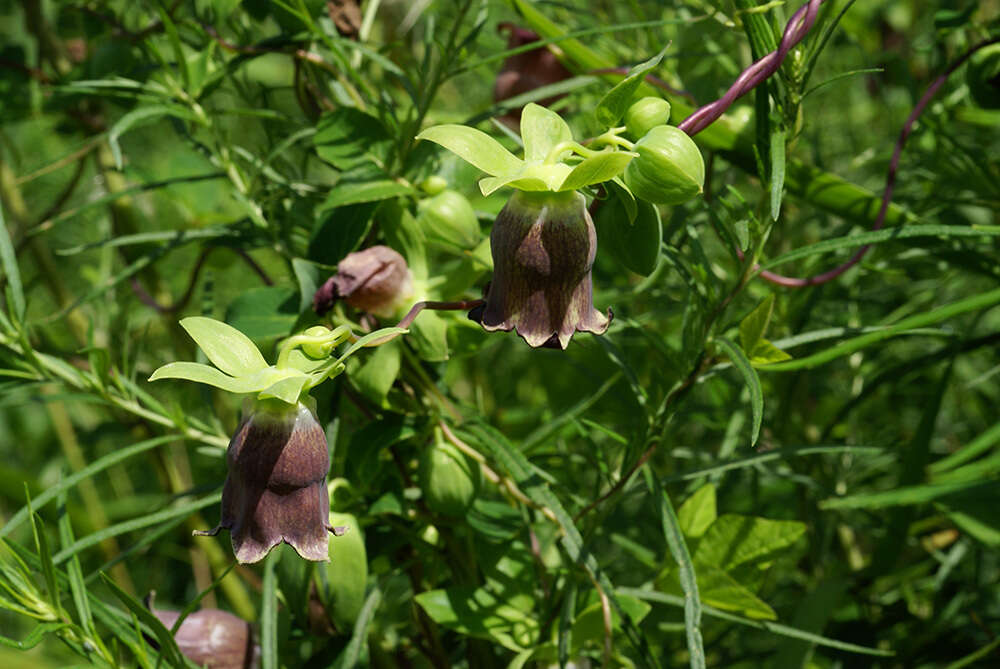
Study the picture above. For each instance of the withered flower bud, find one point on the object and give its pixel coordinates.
(376, 280)
(526, 71)
(214, 639)
(543, 247)
(276, 487)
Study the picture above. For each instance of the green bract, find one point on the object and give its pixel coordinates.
(669, 169)
(240, 367)
(547, 141)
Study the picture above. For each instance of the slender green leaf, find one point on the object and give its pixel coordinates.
(8, 261)
(981, 301)
(269, 613)
(753, 384)
(688, 578)
(885, 235)
(773, 628)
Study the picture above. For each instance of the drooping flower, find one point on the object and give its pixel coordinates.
(543, 241)
(543, 247)
(376, 280)
(276, 487)
(278, 460)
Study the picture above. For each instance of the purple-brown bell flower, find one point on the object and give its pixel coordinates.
(376, 280)
(543, 246)
(276, 488)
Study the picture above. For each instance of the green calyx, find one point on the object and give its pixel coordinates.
(669, 169)
(304, 360)
(553, 160)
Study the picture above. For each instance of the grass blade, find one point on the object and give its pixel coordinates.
(689, 582)
(741, 363)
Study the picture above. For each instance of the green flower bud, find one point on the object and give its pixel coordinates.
(433, 185)
(448, 217)
(318, 351)
(669, 168)
(646, 114)
(448, 479)
(983, 77)
(343, 589)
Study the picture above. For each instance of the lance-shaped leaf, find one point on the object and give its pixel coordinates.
(475, 147)
(229, 349)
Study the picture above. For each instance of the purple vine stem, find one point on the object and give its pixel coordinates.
(890, 181)
(796, 29)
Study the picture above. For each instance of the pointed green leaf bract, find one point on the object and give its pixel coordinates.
(616, 101)
(541, 131)
(597, 169)
(229, 349)
(753, 327)
(475, 147)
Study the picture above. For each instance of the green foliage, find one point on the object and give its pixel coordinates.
(178, 180)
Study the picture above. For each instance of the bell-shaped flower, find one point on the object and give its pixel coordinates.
(543, 247)
(212, 637)
(276, 487)
(543, 242)
(278, 459)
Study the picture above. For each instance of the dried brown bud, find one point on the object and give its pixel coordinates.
(526, 71)
(543, 247)
(214, 639)
(376, 280)
(276, 487)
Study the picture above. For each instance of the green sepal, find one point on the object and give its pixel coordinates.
(229, 349)
(475, 147)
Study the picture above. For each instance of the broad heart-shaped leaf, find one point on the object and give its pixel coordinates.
(753, 327)
(193, 371)
(594, 170)
(229, 349)
(698, 512)
(475, 147)
(478, 613)
(615, 102)
(719, 589)
(733, 540)
(531, 176)
(541, 131)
